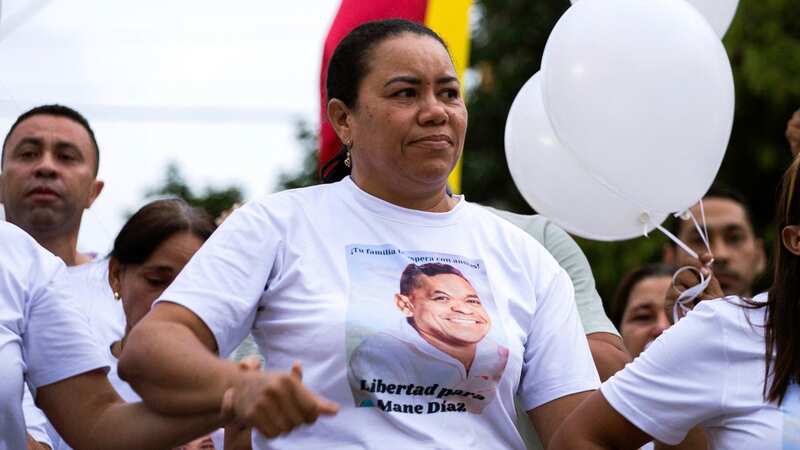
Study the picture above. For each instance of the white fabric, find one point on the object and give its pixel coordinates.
(402, 353)
(708, 370)
(88, 285)
(43, 337)
(312, 272)
(35, 421)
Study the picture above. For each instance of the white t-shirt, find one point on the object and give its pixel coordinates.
(313, 272)
(43, 336)
(88, 285)
(708, 370)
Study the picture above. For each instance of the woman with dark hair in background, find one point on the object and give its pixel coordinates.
(303, 270)
(149, 251)
(731, 365)
(638, 310)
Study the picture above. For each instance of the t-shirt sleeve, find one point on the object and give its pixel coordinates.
(224, 281)
(35, 420)
(57, 340)
(571, 258)
(678, 382)
(557, 361)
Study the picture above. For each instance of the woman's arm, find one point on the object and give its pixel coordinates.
(596, 426)
(548, 417)
(88, 414)
(169, 359)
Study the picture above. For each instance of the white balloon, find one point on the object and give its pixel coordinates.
(718, 13)
(554, 183)
(642, 93)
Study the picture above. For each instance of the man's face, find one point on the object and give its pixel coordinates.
(446, 309)
(738, 256)
(48, 176)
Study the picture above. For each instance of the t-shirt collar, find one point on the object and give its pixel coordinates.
(390, 211)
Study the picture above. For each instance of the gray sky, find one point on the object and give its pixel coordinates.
(215, 86)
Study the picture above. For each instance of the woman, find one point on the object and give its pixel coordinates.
(45, 341)
(638, 308)
(150, 250)
(731, 365)
(313, 273)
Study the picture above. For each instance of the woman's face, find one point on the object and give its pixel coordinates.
(644, 318)
(407, 128)
(141, 284)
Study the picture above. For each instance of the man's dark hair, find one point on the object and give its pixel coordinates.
(153, 224)
(410, 278)
(58, 111)
(349, 65)
(717, 190)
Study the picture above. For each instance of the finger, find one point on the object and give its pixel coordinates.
(297, 370)
(250, 363)
(289, 408)
(227, 410)
(327, 407)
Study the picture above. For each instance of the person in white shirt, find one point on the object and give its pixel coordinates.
(149, 251)
(731, 366)
(308, 272)
(46, 343)
(50, 161)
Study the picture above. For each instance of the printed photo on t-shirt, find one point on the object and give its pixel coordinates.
(423, 332)
(790, 407)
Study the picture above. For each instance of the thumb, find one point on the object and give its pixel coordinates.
(297, 371)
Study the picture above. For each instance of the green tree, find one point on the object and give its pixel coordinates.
(213, 200)
(307, 174)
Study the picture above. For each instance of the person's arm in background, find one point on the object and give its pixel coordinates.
(793, 133)
(35, 423)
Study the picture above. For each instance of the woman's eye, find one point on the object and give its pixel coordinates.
(451, 93)
(408, 92)
(157, 282)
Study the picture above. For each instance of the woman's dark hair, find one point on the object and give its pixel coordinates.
(154, 223)
(623, 292)
(349, 65)
(782, 334)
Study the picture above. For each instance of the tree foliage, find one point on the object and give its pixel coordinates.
(213, 200)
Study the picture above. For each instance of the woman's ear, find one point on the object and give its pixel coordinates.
(114, 276)
(339, 117)
(790, 236)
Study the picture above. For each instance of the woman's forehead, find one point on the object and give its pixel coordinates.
(412, 53)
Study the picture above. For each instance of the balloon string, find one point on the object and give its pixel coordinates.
(685, 298)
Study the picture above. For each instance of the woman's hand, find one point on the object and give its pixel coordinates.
(275, 403)
(689, 278)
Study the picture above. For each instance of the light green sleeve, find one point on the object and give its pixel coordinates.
(569, 255)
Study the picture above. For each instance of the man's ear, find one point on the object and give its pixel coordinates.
(339, 117)
(97, 188)
(668, 254)
(2, 188)
(790, 236)
(404, 305)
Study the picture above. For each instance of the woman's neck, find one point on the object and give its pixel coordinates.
(434, 199)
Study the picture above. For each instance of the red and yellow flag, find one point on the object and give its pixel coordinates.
(449, 18)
